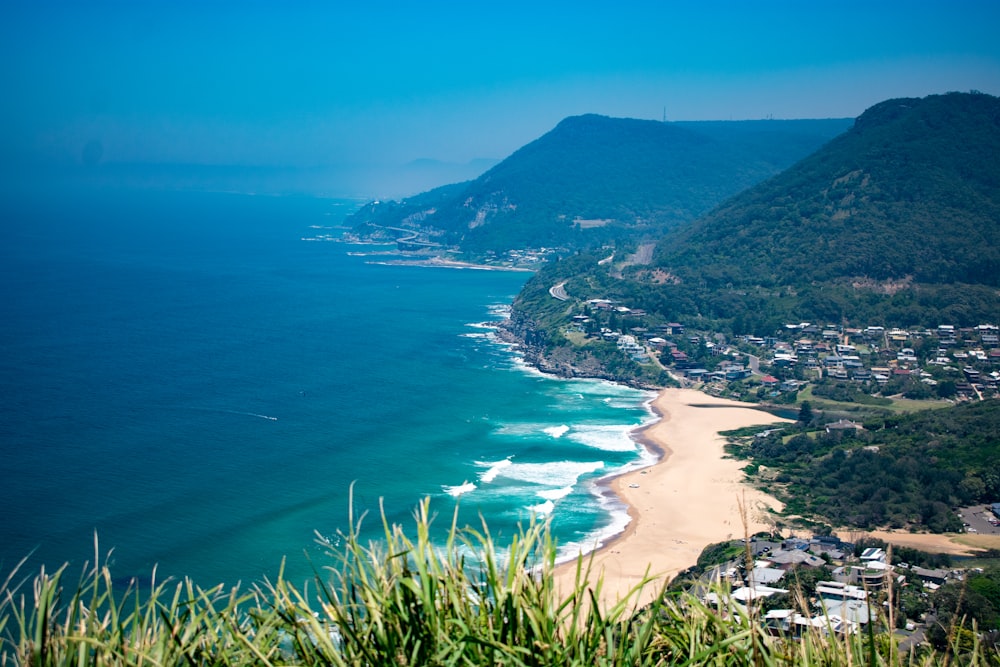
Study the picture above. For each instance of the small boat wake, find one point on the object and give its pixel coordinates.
(240, 413)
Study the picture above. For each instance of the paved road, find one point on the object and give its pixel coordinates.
(559, 292)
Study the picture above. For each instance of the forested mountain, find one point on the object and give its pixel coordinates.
(900, 215)
(894, 223)
(593, 179)
(903, 471)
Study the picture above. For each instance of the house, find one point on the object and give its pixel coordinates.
(788, 622)
(835, 550)
(852, 361)
(601, 304)
(783, 360)
(770, 381)
(766, 575)
(787, 559)
(873, 554)
(844, 425)
(791, 385)
(737, 372)
(742, 596)
(930, 576)
(833, 361)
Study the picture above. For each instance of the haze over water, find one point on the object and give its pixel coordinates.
(199, 378)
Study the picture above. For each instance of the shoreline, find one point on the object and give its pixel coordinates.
(688, 498)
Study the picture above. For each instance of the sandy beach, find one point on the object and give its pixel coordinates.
(690, 498)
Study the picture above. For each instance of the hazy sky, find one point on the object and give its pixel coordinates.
(317, 83)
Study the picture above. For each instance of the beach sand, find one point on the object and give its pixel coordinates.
(951, 543)
(690, 498)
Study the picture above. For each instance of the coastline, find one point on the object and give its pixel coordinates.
(689, 498)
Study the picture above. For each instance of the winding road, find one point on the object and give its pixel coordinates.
(559, 292)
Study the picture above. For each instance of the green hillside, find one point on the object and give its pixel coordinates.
(895, 223)
(593, 179)
(907, 471)
(899, 216)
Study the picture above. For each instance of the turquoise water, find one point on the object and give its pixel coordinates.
(198, 380)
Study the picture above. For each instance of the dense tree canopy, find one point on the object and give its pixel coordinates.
(908, 471)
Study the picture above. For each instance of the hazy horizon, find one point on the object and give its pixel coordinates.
(322, 88)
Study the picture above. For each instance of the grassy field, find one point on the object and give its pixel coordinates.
(898, 405)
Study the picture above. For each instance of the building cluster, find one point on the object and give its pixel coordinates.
(844, 603)
(874, 356)
(869, 358)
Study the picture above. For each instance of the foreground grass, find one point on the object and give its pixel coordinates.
(405, 601)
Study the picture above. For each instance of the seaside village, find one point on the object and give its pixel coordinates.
(842, 586)
(946, 362)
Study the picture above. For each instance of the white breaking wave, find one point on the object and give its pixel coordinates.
(556, 431)
(555, 494)
(495, 469)
(556, 473)
(456, 491)
(543, 508)
(606, 437)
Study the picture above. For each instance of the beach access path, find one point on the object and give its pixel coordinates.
(693, 496)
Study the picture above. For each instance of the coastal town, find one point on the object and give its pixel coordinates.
(919, 363)
(827, 584)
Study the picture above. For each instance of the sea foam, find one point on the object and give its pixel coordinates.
(556, 431)
(493, 470)
(606, 437)
(543, 508)
(456, 491)
(555, 494)
(553, 473)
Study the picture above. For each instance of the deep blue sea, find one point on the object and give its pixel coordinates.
(199, 378)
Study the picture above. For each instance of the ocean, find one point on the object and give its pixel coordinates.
(197, 381)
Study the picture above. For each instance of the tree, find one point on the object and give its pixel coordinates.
(805, 412)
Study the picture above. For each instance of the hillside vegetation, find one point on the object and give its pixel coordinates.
(893, 223)
(593, 179)
(907, 471)
(898, 218)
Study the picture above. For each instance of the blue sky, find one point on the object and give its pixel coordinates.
(312, 84)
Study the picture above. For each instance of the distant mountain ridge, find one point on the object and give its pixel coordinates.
(593, 179)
